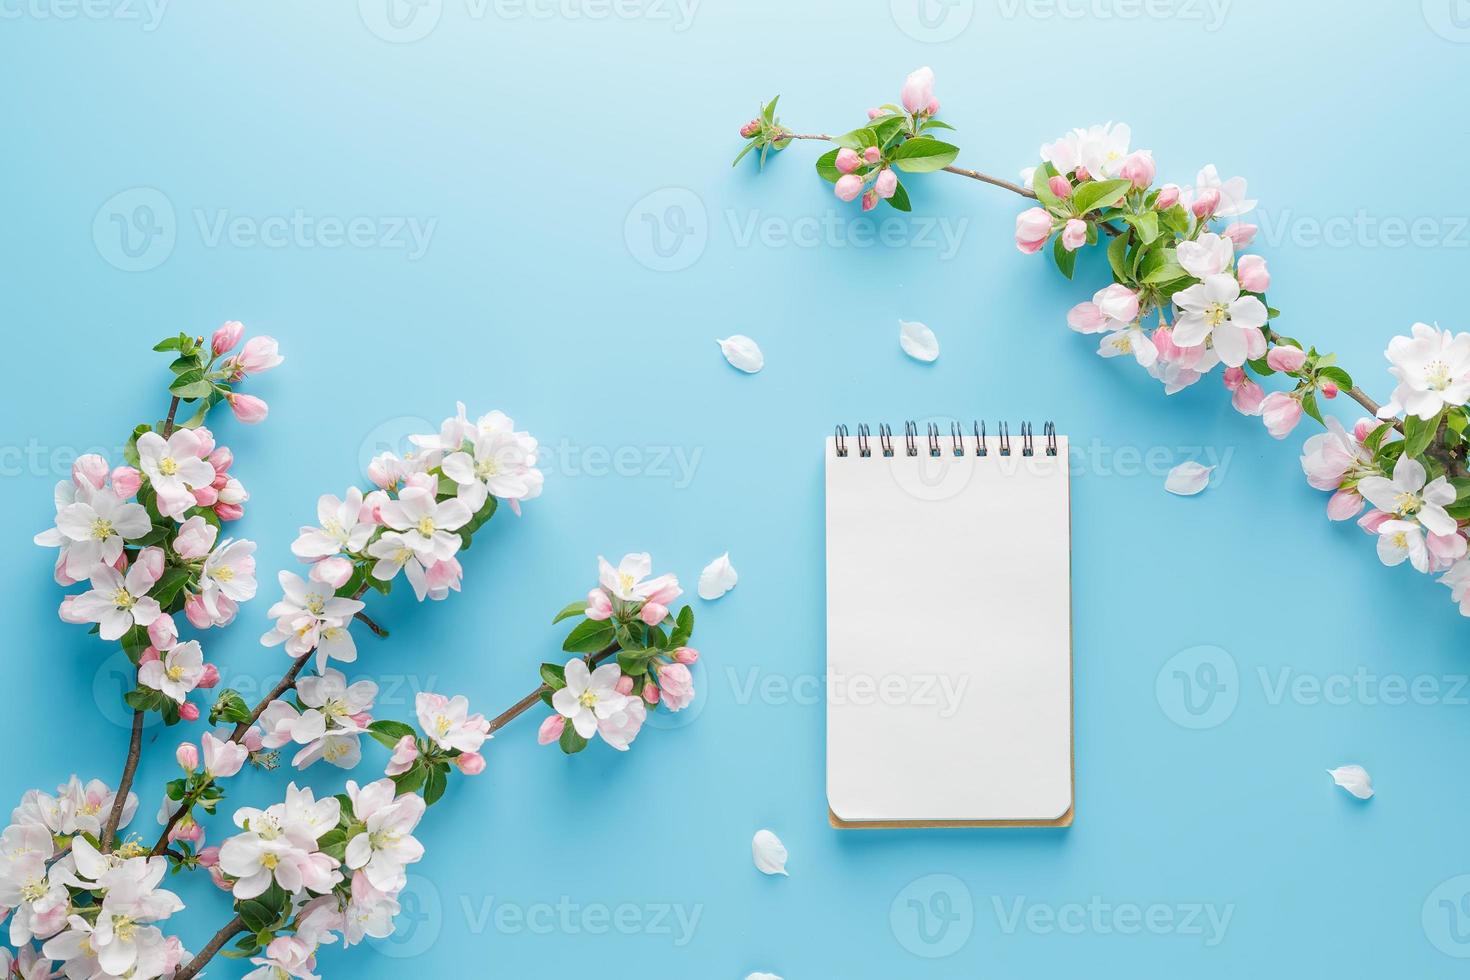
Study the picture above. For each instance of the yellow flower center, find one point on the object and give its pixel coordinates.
(315, 604)
(1216, 314)
(1437, 375)
(123, 599)
(1406, 504)
(426, 526)
(486, 468)
(269, 861)
(168, 466)
(102, 529)
(587, 699)
(174, 673)
(626, 582)
(223, 574)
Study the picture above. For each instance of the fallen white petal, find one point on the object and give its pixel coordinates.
(1188, 479)
(743, 353)
(917, 340)
(762, 976)
(1354, 779)
(769, 853)
(717, 578)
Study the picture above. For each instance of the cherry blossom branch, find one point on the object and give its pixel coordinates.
(367, 621)
(227, 932)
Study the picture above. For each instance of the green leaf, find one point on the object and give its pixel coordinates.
(578, 608)
(827, 167)
(435, 783)
(858, 139)
(1066, 261)
(1160, 265)
(1041, 187)
(1419, 433)
(589, 636)
(191, 384)
(1099, 194)
(171, 343)
(1337, 376)
(885, 128)
(229, 706)
(741, 155)
(1309, 405)
(900, 199)
(410, 781)
(937, 124)
(146, 699)
(923, 155)
(1176, 219)
(553, 676)
(387, 732)
(768, 112)
(1117, 250)
(634, 663)
(167, 588)
(571, 743)
(683, 628)
(1375, 438)
(1147, 225)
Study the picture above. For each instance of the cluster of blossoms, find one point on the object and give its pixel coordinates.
(1185, 299)
(82, 898)
(625, 615)
(96, 913)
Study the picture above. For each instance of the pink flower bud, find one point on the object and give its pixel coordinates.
(187, 755)
(470, 763)
(886, 184)
(686, 655)
(334, 571)
(1343, 505)
(870, 199)
(1060, 186)
(405, 754)
(195, 538)
(247, 408)
(1373, 520)
(933, 107)
(209, 676)
(68, 611)
(126, 481)
(228, 512)
(550, 729)
(599, 607)
(206, 496)
(1139, 168)
(221, 459)
(847, 160)
(750, 128)
(1033, 228)
(260, 354)
(1364, 427)
(872, 155)
(848, 187)
(187, 829)
(148, 656)
(1074, 234)
(188, 711)
(918, 90)
(1285, 357)
(163, 633)
(253, 741)
(150, 561)
(1241, 234)
(650, 693)
(874, 113)
(653, 613)
(1248, 397)
(209, 857)
(1281, 413)
(1168, 197)
(196, 613)
(233, 492)
(1252, 273)
(1205, 204)
(624, 685)
(89, 470)
(203, 440)
(1329, 390)
(226, 337)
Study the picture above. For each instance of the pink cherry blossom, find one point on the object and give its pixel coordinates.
(550, 729)
(1252, 273)
(677, 686)
(1344, 505)
(1281, 413)
(1060, 186)
(886, 184)
(1168, 197)
(226, 336)
(848, 187)
(248, 408)
(847, 160)
(1241, 234)
(918, 90)
(1139, 168)
(1285, 357)
(1074, 234)
(1033, 228)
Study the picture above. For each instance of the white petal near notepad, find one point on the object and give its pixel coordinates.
(1188, 479)
(742, 353)
(1354, 779)
(917, 340)
(717, 578)
(768, 853)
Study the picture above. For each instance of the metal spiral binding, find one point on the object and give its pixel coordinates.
(934, 438)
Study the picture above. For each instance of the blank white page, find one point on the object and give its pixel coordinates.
(949, 636)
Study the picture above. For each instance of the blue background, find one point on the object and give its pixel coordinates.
(533, 144)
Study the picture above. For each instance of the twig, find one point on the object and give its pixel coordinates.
(377, 630)
(530, 700)
(230, 930)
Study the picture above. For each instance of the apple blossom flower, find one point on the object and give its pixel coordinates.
(1433, 371)
(1252, 273)
(1139, 168)
(1241, 235)
(1399, 540)
(386, 844)
(92, 528)
(175, 468)
(1458, 581)
(494, 459)
(187, 756)
(342, 528)
(1408, 498)
(1205, 203)
(427, 526)
(1232, 199)
(310, 616)
(589, 696)
(599, 607)
(280, 844)
(225, 337)
(222, 759)
(918, 90)
(448, 724)
(1330, 457)
(259, 354)
(228, 579)
(1444, 550)
(177, 673)
(1281, 412)
(405, 754)
(1129, 340)
(1215, 310)
(116, 602)
(333, 718)
(1183, 366)
(247, 408)
(1209, 255)
(848, 187)
(369, 911)
(676, 685)
(1246, 396)
(1112, 308)
(285, 957)
(1344, 505)
(622, 726)
(1033, 228)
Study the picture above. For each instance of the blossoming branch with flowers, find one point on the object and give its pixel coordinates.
(82, 895)
(1185, 299)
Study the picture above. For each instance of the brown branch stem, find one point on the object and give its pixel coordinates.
(368, 622)
(229, 931)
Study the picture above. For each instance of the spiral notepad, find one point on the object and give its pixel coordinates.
(949, 635)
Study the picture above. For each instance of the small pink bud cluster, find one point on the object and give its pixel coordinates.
(259, 354)
(751, 128)
(856, 168)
